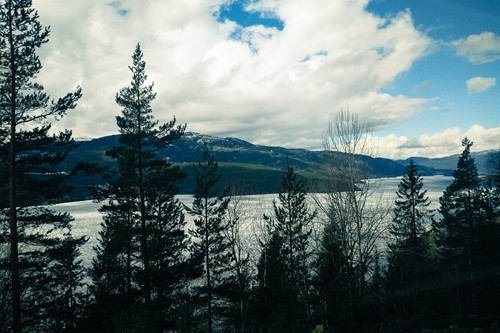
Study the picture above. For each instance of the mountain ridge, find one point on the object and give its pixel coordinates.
(254, 169)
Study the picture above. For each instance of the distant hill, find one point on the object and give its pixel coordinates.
(447, 164)
(250, 168)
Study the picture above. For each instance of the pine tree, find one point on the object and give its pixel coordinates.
(462, 216)
(65, 279)
(140, 204)
(410, 212)
(30, 155)
(408, 248)
(115, 263)
(335, 276)
(171, 268)
(491, 189)
(208, 210)
(293, 222)
(275, 296)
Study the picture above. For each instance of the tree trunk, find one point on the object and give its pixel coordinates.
(14, 237)
(129, 252)
(144, 233)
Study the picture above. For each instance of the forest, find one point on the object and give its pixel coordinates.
(340, 262)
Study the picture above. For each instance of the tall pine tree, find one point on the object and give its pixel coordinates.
(292, 221)
(30, 156)
(168, 242)
(335, 277)
(458, 231)
(409, 244)
(141, 211)
(208, 210)
(275, 300)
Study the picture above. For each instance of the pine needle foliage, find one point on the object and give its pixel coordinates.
(209, 209)
(142, 241)
(30, 155)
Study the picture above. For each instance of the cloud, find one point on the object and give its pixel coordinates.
(259, 83)
(445, 143)
(479, 84)
(479, 49)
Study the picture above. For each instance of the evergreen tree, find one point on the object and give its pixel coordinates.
(114, 266)
(141, 213)
(30, 157)
(458, 231)
(491, 190)
(208, 210)
(334, 280)
(293, 223)
(171, 268)
(275, 296)
(410, 212)
(66, 276)
(408, 259)
(486, 248)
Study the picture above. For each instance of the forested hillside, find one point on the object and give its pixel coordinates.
(253, 169)
(484, 159)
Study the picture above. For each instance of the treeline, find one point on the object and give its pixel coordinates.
(340, 262)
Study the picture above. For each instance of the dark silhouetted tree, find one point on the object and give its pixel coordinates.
(334, 279)
(208, 210)
(461, 234)
(171, 268)
(409, 258)
(292, 222)
(275, 296)
(30, 155)
(142, 224)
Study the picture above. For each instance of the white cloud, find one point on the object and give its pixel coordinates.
(445, 143)
(272, 86)
(479, 49)
(479, 84)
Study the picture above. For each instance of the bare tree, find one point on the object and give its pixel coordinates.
(354, 209)
(240, 274)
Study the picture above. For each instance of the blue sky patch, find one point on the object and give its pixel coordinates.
(117, 5)
(236, 12)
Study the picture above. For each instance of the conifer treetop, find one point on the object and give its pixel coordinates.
(137, 119)
(23, 100)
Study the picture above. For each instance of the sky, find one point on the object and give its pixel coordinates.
(422, 73)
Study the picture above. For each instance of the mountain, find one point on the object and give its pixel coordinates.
(447, 164)
(249, 168)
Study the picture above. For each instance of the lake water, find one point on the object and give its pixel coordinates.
(251, 207)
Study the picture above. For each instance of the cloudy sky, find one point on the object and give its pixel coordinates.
(424, 73)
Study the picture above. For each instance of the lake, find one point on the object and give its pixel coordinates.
(251, 207)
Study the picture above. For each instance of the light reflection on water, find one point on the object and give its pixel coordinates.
(87, 218)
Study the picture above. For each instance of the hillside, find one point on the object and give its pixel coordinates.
(187, 150)
(252, 169)
(483, 161)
